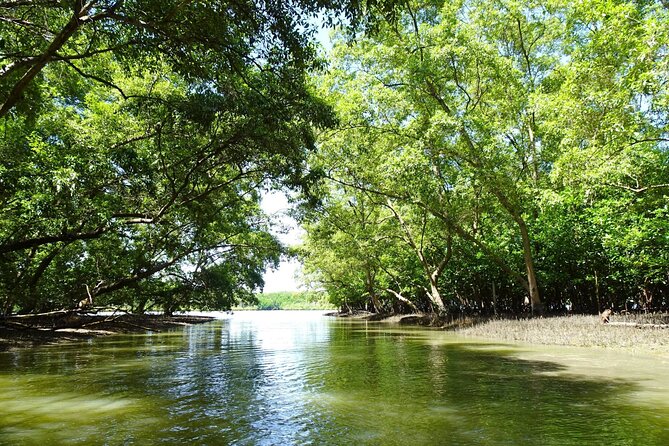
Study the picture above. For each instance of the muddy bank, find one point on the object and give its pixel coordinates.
(61, 326)
(578, 331)
(423, 319)
(641, 332)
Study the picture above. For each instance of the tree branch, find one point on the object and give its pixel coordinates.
(39, 241)
(637, 190)
(96, 78)
(57, 43)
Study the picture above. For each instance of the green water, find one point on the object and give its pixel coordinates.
(281, 378)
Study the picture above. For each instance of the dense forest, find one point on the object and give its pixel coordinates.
(137, 136)
(497, 156)
(459, 156)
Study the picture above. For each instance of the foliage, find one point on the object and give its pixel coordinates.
(298, 300)
(136, 139)
(482, 156)
(532, 135)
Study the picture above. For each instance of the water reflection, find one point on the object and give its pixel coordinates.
(298, 378)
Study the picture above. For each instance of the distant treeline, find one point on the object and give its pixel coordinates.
(287, 300)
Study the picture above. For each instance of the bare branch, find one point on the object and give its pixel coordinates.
(524, 50)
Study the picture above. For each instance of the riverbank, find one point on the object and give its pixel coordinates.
(642, 333)
(631, 333)
(63, 326)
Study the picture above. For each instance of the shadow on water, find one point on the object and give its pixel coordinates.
(415, 390)
(310, 381)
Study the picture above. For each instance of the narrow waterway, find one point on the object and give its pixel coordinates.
(282, 378)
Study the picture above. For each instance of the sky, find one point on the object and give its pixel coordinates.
(288, 232)
(275, 203)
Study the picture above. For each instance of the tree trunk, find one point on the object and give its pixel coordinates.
(494, 299)
(7, 307)
(533, 288)
(431, 273)
(599, 304)
(375, 302)
(435, 295)
(403, 299)
(370, 290)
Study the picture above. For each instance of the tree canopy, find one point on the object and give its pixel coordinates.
(137, 137)
(452, 156)
(501, 153)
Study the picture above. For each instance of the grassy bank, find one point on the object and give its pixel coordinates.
(582, 331)
(297, 300)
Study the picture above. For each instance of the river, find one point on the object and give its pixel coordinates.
(284, 378)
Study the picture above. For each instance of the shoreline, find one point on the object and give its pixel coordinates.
(584, 331)
(632, 333)
(27, 331)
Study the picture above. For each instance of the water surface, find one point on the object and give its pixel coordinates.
(280, 378)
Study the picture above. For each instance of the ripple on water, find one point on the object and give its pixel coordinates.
(271, 378)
